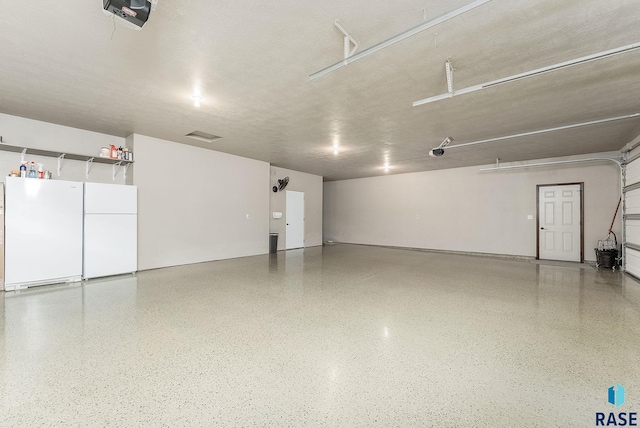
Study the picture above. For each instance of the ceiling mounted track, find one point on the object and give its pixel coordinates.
(541, 131)
(532, 73)
(539, 164)
(413, 31)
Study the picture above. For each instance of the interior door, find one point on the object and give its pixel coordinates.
(560, 222)
(295, 220)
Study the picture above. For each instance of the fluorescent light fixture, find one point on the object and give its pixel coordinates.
(532, 73)
(196, 100)
(413, 31)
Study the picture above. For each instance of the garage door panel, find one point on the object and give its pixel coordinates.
(632, 202)
(632, 209)
(633, 173)
(633, 262)
(633, 231)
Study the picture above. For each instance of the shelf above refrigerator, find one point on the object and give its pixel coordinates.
(61, 156)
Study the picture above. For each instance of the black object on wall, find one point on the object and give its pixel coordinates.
(281, 185)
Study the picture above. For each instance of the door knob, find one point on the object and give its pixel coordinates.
(542, 228)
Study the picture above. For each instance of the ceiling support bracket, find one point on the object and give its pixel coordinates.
(60, 159)
(348, 41)
(448, 69)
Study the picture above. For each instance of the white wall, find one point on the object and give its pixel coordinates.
(193, 204)
(463, 209)
(311, 185)
(19, 131)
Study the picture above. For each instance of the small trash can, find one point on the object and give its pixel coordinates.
(606, 258)
(273, 242)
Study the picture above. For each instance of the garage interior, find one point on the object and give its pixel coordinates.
(456, 173)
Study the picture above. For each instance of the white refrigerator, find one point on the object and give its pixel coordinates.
(110, 230)
(43, 238)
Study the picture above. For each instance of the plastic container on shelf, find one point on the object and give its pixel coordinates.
(32, 170)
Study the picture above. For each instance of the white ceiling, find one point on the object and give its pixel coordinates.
(251, 60)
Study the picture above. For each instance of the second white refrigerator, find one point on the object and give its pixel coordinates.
(110, 229)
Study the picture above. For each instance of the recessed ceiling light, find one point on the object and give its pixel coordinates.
(336, 146)
(203, 136)
(196, 100)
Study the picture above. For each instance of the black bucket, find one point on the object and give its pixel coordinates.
(606, 258)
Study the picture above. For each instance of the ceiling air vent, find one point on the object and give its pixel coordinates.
(203, 136)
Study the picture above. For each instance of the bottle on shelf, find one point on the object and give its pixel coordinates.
(40, 171)
(23, 169)
(120, 153)
(114, 152)
(32, 170)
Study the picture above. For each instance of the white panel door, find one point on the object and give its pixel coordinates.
(295, 220)
(559, 222)
(110, 244)
(43, 224)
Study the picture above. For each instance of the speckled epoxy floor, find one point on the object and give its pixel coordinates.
(340, 336)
